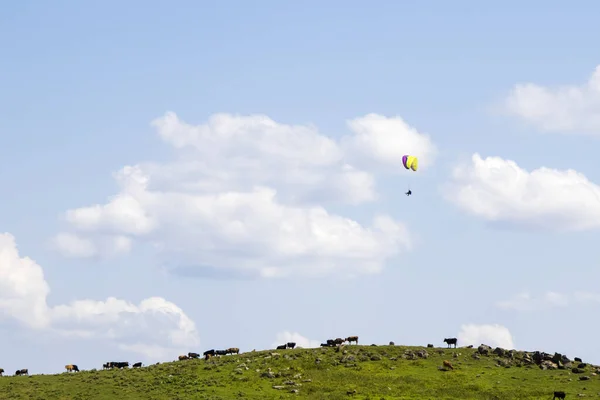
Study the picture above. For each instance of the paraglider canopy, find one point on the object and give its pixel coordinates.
(410, 162)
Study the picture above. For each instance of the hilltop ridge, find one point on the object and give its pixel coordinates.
(341, 372)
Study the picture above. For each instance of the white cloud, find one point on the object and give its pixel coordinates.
(244, 196)
(237, 153)
(301, 341)
(74, 246)
(494, 335)
(153, 323)
(586, 297)
(568, 108)
(526, 302)
(499, 190)
(382, 141)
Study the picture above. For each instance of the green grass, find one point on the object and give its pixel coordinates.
(375, 373)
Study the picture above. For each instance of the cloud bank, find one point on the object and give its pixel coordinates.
(155, 328)
(246, 196)
(498, 190)
(566, 109)
(526, 302)
(494, 335)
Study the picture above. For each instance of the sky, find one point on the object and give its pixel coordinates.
(214, 174)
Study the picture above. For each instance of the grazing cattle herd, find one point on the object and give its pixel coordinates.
(290, 345)
(207, 354)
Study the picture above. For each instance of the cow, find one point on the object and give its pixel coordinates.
(429, 345)
(338, 341)
(578, 360)
(193, 355)
(291, 345)
(351, 339)
(451, 341)
(282, 347)
(447, 364)
(211, 352)
(559, 395)
(325, 345)
(233, 350)
(183, 357)
(137, 365)
(221, 352)
(119, 364)
(207, 356)
(106, 365)
(23, 371)
(330, 342)
(71, 368)
(1, 371)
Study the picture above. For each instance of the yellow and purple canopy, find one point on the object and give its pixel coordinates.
(410, 162)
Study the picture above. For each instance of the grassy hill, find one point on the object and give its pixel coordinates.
(351, 372)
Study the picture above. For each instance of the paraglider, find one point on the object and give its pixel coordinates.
(410, 162)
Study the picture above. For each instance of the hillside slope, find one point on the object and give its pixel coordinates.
(351, 372)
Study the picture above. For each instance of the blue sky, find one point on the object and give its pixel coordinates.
(81, 84)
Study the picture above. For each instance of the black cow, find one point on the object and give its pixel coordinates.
(22, 372)
(193, 355)
(137, 364)
(282, 347)
(325, 345)
(578, 359)
(119, 364)
(429, 345)
(209, 352)
(559, 395)
(330, 342)
(291, 345)
(1, 371)
(221, 352)
(451, 341)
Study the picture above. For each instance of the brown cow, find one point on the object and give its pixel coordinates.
(71, 368)
(233, 350)
(207, 356)
(351, 339)
(447, 364)
(184, 357)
